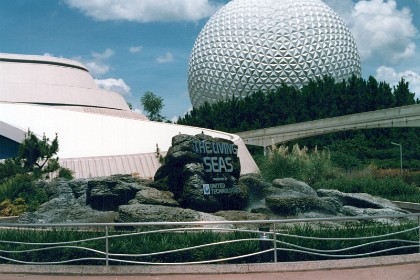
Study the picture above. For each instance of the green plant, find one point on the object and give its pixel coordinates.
(36, 156)
(158, 242)
(13, 208)
(65, 173)
(22, 186)
(153, 105)
(300, 163)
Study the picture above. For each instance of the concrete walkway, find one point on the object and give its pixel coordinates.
(403, 267)
(394, 272)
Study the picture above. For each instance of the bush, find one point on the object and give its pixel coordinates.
(345, 161)
(15, 208)
(300, 164)
(23, 186)
(36, 160)
(65, 173)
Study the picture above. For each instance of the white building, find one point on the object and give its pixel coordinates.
(98, 134)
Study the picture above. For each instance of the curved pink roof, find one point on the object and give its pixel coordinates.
(53, 81)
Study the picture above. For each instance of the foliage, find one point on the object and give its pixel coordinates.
(36, 160)
(65, 173)
(36, 156)
(320, 170)
(13, 208)
(348, 231)
(23, 186)
(157, 242)
(153, 105)
(300, 164)
(319, 99)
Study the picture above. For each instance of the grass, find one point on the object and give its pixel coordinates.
(149, 243)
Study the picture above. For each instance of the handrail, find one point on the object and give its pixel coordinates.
(268, 243)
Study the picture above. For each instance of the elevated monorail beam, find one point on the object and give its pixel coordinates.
(405, 116)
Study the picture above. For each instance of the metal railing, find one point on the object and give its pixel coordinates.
(267, 240)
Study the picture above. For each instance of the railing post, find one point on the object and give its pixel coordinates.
(106, 246)
(418, 223)
(264, 237)
(275, 242)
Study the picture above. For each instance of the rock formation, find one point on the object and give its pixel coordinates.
(202, 172)
(198, 181)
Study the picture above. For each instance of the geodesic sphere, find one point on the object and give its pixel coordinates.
(252, 45)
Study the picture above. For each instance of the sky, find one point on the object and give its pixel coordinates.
(134, 46)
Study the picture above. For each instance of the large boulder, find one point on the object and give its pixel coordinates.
(355, 211)
(202, 172)
(159, 213)
(235, 215)
(258, 190)
(293, 187)
(155, 197)
(360, 200)
(293, 205)
(67, 204)
(107, 193)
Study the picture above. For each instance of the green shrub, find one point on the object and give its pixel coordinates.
(23, 186)
(301, 164)
(15, 208)
(9, 168)
(345, 161)
(65, 173)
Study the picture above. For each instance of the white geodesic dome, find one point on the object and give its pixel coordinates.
(251, 45)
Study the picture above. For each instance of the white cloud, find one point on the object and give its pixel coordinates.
(135, 49)
(341, 7)
(379, 28)
(138, 111)
(168, 57)
(391, 76)
(146, 10)
(97, 62)
(114, 85)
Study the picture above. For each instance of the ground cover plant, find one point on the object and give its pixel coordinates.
(36, 160)
(158, 242)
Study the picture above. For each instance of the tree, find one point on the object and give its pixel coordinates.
(153, 105)
(37, 155)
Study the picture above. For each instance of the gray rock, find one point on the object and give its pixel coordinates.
(292, 187)
(355, 211)
(154, 213)
(360, 200)
(65, 210)
(156, 197)
(287, 205)
(187, 178)
(107, 193)
(232, 215)
(65, 206)
(258, 189)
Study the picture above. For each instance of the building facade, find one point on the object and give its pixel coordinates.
(98, 134)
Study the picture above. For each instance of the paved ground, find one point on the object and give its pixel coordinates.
(390, 272)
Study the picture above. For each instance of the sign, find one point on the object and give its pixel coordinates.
(218, 161)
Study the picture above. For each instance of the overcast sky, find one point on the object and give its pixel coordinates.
(134, 46)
